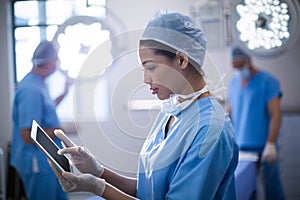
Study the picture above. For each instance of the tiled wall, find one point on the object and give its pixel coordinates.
(289, 141)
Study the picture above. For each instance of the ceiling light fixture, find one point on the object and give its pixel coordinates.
(266, 27)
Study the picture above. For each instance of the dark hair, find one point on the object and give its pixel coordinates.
(159, 48)
(168, 52)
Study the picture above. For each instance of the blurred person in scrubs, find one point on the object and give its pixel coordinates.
(191, 152)
(254, 106)
(33, 102)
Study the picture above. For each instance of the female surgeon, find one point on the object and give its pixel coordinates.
(190, 152)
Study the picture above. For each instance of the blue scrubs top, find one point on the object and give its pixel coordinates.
(31, 102)
(249, 110)
(196, 159)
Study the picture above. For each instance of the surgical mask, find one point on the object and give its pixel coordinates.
(173, 106)
(244, 72)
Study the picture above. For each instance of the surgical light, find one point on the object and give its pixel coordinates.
(266, 26)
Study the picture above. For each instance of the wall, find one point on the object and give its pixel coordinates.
(289, 155)
(6, 72)
(286, 67)
(137, 16)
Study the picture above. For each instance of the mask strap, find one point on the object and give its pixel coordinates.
(192, 97)
(197, 93)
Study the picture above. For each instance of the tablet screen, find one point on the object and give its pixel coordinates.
(51, 148)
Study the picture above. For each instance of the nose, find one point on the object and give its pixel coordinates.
(147, 78)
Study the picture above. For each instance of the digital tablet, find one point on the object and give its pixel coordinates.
(49, 148)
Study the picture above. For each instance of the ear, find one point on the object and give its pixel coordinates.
(182, 60)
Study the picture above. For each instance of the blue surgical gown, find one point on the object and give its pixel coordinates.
(249, 109)
(251, 120)
(196, 159)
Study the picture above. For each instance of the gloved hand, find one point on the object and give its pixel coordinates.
(84, 161)
(269, 153)
(79, 183)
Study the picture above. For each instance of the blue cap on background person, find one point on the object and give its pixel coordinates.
(44, 52)
(238, 53)
(179, 32)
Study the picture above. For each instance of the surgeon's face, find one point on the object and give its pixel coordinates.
(163, 75)
(52, 66)
(239, 63)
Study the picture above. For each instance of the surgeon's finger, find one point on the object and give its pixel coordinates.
(70, 183)
(70, 177)
(65, 183)
(62, 136)
(73, 151)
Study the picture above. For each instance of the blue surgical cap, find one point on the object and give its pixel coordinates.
(179, 32)
(44, 52)
(238, 53)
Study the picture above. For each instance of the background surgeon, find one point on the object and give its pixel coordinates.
(192, 141)
(33, 102)
(254, 104)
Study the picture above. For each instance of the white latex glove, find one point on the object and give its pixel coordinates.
(84, 161)
(80, 182)
(269, 153)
